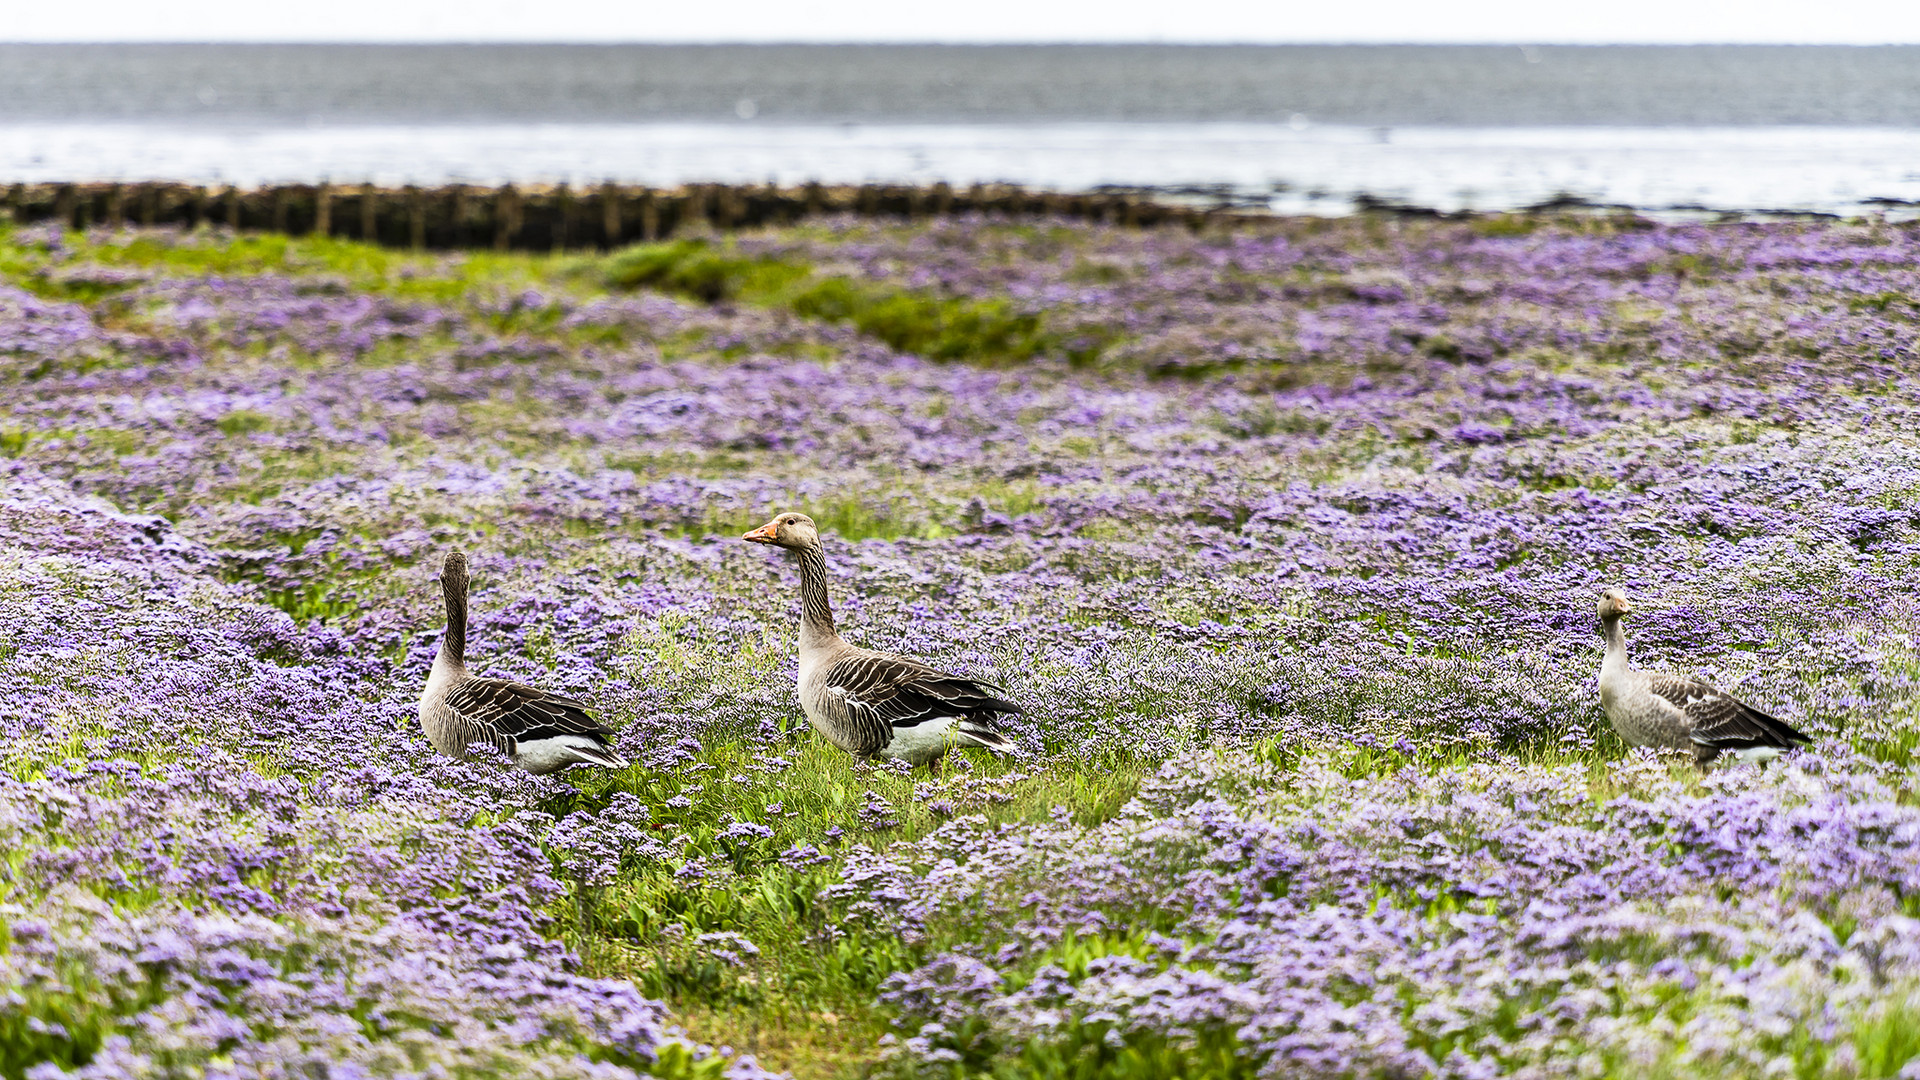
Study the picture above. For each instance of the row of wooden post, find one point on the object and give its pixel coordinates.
(549, 218)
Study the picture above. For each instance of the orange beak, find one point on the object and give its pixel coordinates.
(764, 534)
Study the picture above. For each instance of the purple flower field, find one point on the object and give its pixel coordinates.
(1287, 537)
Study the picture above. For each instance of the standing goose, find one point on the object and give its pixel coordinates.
(874, 704)
(541, 732)
(1677, 712)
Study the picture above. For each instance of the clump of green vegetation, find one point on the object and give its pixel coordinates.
(803, 992)
(63, 1020)
(915, 321)
(693, 268)
(1506, 225)
(242, 422)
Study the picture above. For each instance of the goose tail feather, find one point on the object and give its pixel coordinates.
(1759, 731)
(978, 733)
(596, 755)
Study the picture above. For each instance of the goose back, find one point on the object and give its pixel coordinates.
(874, 704)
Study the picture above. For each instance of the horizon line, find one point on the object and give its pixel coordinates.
(989, 44)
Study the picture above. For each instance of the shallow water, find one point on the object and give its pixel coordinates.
(1302, 129)
(1312, 170)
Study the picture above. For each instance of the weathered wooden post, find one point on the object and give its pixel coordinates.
(561, 231)
(506, 217)
(416, 218)
(457, 229)
(649, 216)
(765, 206)
(691, 213)
(609, 215)
(369, 214)
(280, 202)
(233, 207)
(323, 210)
(199, 206)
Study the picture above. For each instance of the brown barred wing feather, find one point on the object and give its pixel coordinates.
(1721, 721)
(506, 713)
(880, 692)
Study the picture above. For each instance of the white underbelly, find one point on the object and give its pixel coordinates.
(552, 755)
(923, 741)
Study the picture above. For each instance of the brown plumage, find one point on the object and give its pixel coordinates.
(874, 704)
(1680, 713)
(542, 732)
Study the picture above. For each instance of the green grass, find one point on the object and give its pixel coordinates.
(368, 267)
(694, 268)
(919, 321)
(74, 1017)
(643, 926)
(922, 322)
(807, 1002)
(242, 422)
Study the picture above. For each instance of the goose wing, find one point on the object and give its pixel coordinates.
(878, 692)
(505, 713)
(1719, 719)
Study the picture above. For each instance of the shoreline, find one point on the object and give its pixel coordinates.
(563, 217)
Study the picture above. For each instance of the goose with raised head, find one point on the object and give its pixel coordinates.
(874, 704)
(542, 732)
(1679, 713)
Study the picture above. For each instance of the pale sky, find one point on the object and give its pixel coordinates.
(1252, 21)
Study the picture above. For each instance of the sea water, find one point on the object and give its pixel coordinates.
(1298, 129)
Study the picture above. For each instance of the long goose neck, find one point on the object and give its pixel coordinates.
(453, 646)
(816, 614)
(1616, 657)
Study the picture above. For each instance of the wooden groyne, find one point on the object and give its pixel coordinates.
(552, 217)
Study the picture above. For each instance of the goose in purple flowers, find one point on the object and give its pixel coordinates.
(1680, 713)
(540, 731)
(875, 704)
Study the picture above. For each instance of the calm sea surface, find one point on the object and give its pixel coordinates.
(1308, 128)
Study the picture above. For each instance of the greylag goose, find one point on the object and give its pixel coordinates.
(875, 704)
(1677, 712)
(541, 732)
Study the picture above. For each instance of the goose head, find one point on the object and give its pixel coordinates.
(453, 573)
(795, 532)
(1613, 604)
